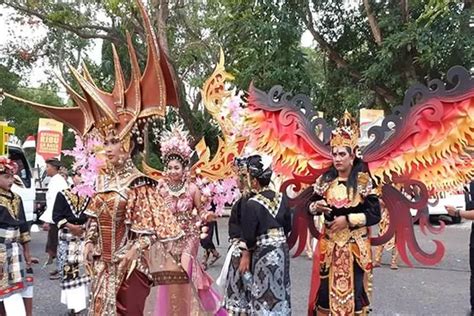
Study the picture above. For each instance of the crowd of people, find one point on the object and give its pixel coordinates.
(128, 244)
(132, 247)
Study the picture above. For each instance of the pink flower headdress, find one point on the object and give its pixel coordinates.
(88, 161)
(218, 194)
(175, 144)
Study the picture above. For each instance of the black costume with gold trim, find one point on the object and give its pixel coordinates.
(345, 256)
(14, 233)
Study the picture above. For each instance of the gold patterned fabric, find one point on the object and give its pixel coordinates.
(126, 211)
(345, 255)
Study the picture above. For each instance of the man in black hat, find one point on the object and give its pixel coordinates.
(56, 184)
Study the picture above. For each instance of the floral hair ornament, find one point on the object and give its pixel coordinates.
(175, 144)
(88, 162)
(8, 166)
(346, 134)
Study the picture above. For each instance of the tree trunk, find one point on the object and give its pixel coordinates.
(334, 55)
(404, 10)
(374, 26)
(160, 18)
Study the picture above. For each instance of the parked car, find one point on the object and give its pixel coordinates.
(27, 191)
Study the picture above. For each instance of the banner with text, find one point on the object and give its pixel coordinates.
(49, 141)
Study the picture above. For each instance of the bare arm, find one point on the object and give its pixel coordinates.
(27, 254)
(196, 194)
(463, 214)
(467, 214)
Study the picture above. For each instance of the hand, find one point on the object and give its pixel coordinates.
(210, 216)
(244, 265)
(130, 256)
(89, 253)
(45, 227)
(76, 230)
(338, 224)
(319, 207)
(451, 210)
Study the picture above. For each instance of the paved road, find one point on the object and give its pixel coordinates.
(439, 290)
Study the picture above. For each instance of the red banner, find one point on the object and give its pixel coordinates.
(49, 144)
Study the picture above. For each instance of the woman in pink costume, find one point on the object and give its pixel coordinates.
(183, 198)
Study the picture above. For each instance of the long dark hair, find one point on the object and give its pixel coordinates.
(358, 166)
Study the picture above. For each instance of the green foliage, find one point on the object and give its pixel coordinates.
(261, 42)
(23, 118)
(434, 36)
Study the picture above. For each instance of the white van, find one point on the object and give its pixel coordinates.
(28, 191)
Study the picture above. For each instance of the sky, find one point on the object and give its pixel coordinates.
(38, 73)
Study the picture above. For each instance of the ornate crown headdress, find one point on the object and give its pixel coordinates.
(127, 108)
(174, 144)
(346, 133)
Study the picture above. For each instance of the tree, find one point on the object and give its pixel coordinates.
(366, 54)
(20, 116)
(379, 48)
(191, 32)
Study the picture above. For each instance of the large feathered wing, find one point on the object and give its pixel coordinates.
(431, 140)
(287, 129)
(424, 147)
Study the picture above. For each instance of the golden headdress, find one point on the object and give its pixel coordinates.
(146, 95)
(347, 132)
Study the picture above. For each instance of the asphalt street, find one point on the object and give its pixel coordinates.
(437, 290)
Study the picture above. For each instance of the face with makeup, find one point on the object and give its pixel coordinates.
(114, 150)
(342, 158)
(175, 170)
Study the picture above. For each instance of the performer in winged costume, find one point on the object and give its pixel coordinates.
(126, 213)
(346, 195)
(421, 148)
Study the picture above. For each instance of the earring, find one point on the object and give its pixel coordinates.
(121, 160)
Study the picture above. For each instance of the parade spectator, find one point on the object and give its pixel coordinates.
(56, 184)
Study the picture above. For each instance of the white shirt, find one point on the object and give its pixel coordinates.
(55, 185)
